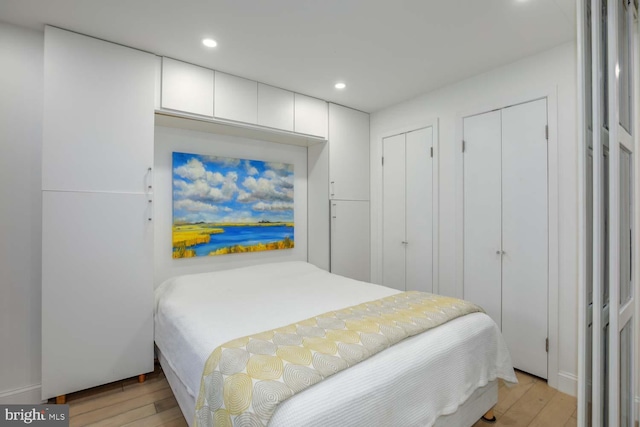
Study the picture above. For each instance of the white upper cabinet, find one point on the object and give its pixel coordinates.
(158, 81)
(311, 116)
(348, 153)
(187, 87)
(275, 107)
(98, 114)
(236, 98)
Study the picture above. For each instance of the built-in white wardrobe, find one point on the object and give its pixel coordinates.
(338, 169)
(408, 227)
(349, 192)
(97, 251)
(506, 231)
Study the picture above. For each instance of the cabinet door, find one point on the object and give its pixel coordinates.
(350, 251)
(419, 214)
(525, 233)
(349, 153)
(187, 87)
(311, 116)
(482, 213)
(393, 212)
(236, 98)
(98, 114)
(275, 107)
(97, 289)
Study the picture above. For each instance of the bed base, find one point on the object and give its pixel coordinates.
(479, 405)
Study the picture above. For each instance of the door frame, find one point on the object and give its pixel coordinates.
(377, 252)
(564, 381)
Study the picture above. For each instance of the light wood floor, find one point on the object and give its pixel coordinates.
(127, 403)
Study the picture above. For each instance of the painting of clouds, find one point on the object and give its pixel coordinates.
(223, 205)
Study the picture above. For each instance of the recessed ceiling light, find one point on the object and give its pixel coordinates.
(209, 42)
(340, 85)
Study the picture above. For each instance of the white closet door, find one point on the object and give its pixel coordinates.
(350, 234)
(482, 217)
(419, 210)
(97, 289)
(525, 235)
(348, 153)
(98, 114)
(393, 213)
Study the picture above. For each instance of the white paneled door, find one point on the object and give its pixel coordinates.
(506, 226)
(525, 235)
(350, 239)
(408, 221)
(419, 210)
(482, 213)
(393, 212)
(97, 275)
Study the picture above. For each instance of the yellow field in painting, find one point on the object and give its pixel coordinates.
(188, 235)
(185, 236)
(238, 249)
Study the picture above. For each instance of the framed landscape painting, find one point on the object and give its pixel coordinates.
(224, 205)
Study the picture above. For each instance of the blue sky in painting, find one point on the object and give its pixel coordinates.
(222, 189)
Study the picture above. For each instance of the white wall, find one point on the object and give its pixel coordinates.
(539, 75)
(21, 86)
(168, 140)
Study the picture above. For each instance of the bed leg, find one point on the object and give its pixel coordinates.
(142, 378)
(61, 400)
(489, 416)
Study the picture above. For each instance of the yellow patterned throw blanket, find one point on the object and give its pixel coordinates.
(245, 379)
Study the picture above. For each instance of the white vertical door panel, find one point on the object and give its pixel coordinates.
(350, 239)
(310, 116)
(349, 153)
(318, 214)
(97, 289)
(525, 235)
(393, 212)
(419, 210)
(98, 114)
(235, 98)
(157, 100)
(482, 217)
(275, 107)
(187, 87)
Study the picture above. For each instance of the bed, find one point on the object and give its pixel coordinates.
(444, 376)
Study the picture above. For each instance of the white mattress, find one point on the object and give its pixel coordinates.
(441, 368)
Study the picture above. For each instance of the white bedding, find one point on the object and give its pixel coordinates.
(442, 367)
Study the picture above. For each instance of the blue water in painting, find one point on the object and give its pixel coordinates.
(245, 236)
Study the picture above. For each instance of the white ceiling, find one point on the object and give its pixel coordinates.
(386, 51)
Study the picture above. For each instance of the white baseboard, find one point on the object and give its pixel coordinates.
(568, 383)
(31, 394)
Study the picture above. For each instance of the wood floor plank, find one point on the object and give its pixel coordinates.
(165, 404)
(573, 422)
(528, 406)
(178, 422)
(127, 417)
(93, 393)
(510, 394)
(114, 398)
(557, 412)
(157, 419)
(118, 408)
